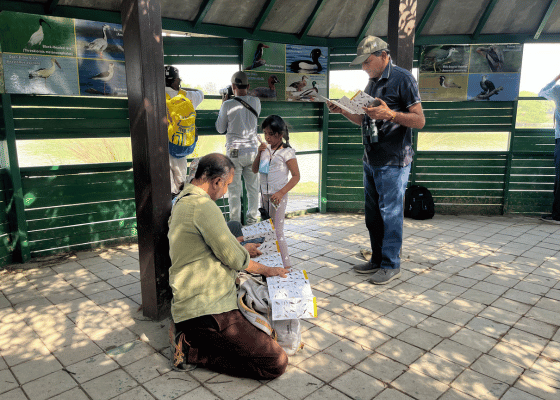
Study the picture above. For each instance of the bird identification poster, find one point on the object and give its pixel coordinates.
(61, 56)
(279, 72)
(486, 72)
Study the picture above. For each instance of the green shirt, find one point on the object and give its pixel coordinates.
(205, 257)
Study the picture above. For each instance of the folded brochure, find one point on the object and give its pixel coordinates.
(355, 104)
(291, 297)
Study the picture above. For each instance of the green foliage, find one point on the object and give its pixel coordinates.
(534, 113)
(335, 92)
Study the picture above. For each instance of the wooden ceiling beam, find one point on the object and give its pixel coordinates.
(264, 13)
(202, 11)
(484, 18)
(425, 17)
(545, 18)
(369, 19)
(312, 18)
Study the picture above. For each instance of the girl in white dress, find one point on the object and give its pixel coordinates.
(275, 159)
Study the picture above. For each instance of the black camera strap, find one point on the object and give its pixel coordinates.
(247, 106)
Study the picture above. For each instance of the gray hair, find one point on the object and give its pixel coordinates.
(212, 166)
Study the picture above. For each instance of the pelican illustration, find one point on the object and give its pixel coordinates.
(105, 76)
(100, 44)
(45, 72)
(38, 35)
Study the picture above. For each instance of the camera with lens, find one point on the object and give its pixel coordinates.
(227, 93)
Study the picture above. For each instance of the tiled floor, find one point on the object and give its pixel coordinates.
(475, 315)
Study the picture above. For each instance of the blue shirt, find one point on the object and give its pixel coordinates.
(398, 88)
(552, 92)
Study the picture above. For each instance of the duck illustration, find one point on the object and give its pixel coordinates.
(305, 65)
(308, 94)
(447, 83)
(100, 44)
(38, 35)
(258, 61)
(266, 92)
(105, 76)
(299, 85)
(45, 72)
(494, 56)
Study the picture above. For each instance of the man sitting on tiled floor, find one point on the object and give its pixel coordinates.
(205, 257)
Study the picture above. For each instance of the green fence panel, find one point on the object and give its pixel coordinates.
(78, 207)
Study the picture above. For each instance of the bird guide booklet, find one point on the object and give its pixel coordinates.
(290, 297)
(355, 104)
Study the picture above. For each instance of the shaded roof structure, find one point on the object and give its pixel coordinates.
(331, 22)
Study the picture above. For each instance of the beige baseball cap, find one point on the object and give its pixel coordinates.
(368, 46)
(240, 78)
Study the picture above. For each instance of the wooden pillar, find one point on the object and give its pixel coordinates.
(400, 34)
(141, 21)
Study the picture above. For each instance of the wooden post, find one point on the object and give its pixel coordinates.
(141, 21)
(400, 34)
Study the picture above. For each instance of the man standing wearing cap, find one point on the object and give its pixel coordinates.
(178, 152)
(387, 137)
(238, 118)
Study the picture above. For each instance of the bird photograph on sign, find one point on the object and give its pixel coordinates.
(37, 34)
(448, 58)
(300, 87)
(496, 58)
(263, 56)
(267, 86)
(102, 78)
(99, 40)
(493, 87)
(306, 59)
(443, 87)
(40, 74)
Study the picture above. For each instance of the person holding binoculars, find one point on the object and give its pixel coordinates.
(238, 119)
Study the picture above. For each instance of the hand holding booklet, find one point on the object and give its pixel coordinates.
(355, 104)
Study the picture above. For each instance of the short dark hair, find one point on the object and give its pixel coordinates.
(241, 86)
(171, 73)
(212, 166)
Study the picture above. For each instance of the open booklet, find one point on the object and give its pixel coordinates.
(355, 104)
(291, 297)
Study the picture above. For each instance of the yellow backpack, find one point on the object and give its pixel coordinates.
(181, 129)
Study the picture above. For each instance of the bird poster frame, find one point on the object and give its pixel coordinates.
(285, 72)
(61, 56)
(487, 72)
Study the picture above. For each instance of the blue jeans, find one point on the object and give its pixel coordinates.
(556, 201)
(384, 189)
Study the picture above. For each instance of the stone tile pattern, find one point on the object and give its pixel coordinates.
(475, 315)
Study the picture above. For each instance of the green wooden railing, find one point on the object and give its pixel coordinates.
(518, 180)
